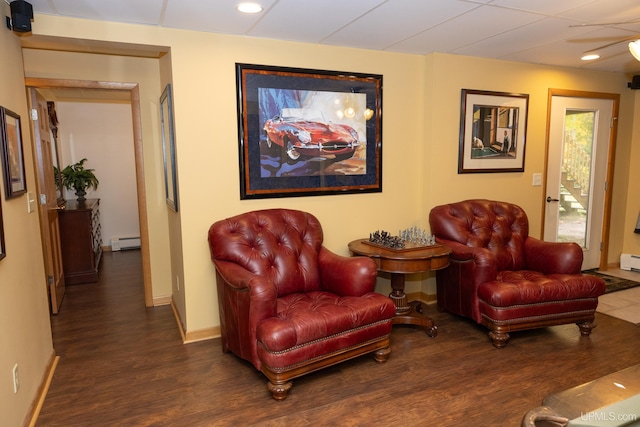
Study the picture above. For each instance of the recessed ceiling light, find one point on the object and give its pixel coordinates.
(590, 57)
(249, 7)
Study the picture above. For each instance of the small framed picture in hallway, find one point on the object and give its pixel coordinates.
(169, 148)
(2, 251)
(15, 183)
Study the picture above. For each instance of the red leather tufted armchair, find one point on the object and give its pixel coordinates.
(287, 304)
(505, 279)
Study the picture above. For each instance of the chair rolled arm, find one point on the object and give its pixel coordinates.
(262, 293)
(543, 413)
(459, 252)
(553, 257)
(462, 252)
(346, 276)
(485, 266)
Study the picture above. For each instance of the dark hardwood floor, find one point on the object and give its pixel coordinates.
(122, 364)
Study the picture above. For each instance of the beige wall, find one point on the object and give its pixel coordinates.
(451, 73)
(144, 72)
(174, 221)
(631, 244)
(25, 331)
(203, 77)
(421, 101)
(205, 100)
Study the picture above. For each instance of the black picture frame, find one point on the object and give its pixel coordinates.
(493, 130)
(3, 252)
(11, 148)
(169, 148)
(283, 113)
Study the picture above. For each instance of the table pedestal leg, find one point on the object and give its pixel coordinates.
(409, 313)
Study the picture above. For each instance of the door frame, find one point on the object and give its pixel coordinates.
(49, 209)
(134, 93)
(606, 214)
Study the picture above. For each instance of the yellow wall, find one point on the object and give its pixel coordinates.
(25, 331)
(174, 220)
(203, 78)
(450, 73)
(205, 101)
(144, 72)
(421, 102)
(631, 243)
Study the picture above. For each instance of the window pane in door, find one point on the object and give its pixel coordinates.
(579, 131)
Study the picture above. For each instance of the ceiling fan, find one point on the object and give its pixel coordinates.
(634, 41)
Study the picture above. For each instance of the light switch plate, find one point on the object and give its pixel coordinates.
(537, 180)
(31, 202)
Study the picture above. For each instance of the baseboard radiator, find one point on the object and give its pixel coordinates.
(124, 243)
(630, 262)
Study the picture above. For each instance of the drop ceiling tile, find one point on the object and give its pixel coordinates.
(43, 6)
(606, 11)
(544, 7)
(465, 30)
(139, 11)
(379, 28)
(541, 33)
(310, 21)
(218, 16)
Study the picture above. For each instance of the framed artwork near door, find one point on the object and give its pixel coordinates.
(15, 182)
(308, 132)
(493, 130)
(169, 148)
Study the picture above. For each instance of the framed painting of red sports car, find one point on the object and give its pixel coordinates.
(308, 132)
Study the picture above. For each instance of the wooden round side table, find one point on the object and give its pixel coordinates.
(400, 262)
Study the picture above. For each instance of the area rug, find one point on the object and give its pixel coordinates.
(613, 283)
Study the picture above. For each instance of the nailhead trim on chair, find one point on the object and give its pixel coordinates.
(324, 356)
(546, 316)
(538, 303)
(330, 337)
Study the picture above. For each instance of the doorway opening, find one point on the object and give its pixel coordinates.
(133, 90)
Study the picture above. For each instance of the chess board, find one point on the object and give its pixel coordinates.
(408, 246)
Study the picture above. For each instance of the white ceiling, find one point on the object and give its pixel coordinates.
(535, 31)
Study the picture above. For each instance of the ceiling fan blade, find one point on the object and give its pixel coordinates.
(626, 39)
(604, 24)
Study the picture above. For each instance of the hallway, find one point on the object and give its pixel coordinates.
(108, 342)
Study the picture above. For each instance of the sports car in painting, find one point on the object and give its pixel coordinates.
(299, 137)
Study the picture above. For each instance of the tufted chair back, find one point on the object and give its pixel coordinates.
(505, 279)
(280, 244)
(499, 227)
(289, 305)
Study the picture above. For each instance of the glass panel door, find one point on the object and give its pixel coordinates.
(575, 181)
(577, 159)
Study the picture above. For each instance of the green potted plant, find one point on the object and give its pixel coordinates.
(75, 177)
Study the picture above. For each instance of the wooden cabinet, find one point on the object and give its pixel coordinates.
(81, 240)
